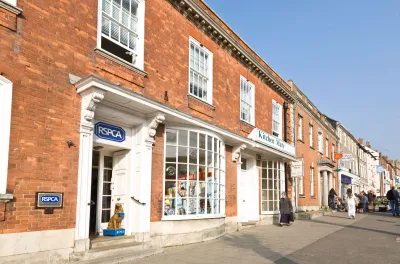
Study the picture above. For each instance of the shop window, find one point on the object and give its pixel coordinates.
(246, 101)
(194, 175)
(276, 119)
(5, 120)
(122, 27)
(272, 185)
(300, 128)
(200, 73)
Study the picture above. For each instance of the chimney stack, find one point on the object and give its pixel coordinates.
(361, 141)
(368, 144)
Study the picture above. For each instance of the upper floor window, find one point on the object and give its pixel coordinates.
(200, 74)
(11, 2)
(327, 148)
(311, 135)
(246, 101)
(300, 128)
(276, 119)
(122, 30)
(320, 143)
(333, 152)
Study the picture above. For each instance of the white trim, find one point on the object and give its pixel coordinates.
(279, 107)
(6, 88)
(6, 4)
(253, 112)
(210, 71)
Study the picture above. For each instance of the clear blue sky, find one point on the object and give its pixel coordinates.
(344, 55)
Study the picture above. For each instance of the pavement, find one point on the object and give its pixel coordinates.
(370, 238)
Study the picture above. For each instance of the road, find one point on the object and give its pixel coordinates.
(370, 238)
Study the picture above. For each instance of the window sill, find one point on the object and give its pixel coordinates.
(300, 140)
(246, 127)
(313, 197)
(302, 196)
(200, 106)
(197, 217)
(121, 62)
(13, 9)
(311, 147)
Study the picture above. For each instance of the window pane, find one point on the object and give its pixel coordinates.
(107, 175)
(192, 189)
(182, 171)
(170, 154)
(181, 205)
(202, 173)
(182, 189)
(170, 189)
(108, 162)
(171, 136)
(264, 206)
(264, 195)
(202, 207)
(105, 28)
(170, 171)
(106, 202)
(105, 216)
(202, 189)
(182, 154)
(193, 155)
(209, 190)
(209, 143)
(202, 141)
(183, 138)
(193, 139)
(193, 172)
(216, 160)
(264, 184)
(202, 157)
(114, 31)
(169, 207)
(192, 206)
(106, 188)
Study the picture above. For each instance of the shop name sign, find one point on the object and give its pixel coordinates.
(297, 168)
(49, 200)
(271, 141)
(109, 132)
(346, 158)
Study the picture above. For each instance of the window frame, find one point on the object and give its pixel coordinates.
(209, 99)
(311, 135)
(139, 61)
(301, 186)
(333, 152)
(300, 127)
(253, 87)
(222, 181)
(327, 147)
(6, 92)
(281, 180)
(11, 2)
(320, 142)
(279, 106)
(312, 191)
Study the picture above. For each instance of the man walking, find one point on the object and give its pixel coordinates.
(393, 196)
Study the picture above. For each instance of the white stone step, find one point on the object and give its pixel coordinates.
(104, 241)
(122, 258)
(106, 251)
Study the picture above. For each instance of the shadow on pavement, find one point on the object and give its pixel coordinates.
(244, 242)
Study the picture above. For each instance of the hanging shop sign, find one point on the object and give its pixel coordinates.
(49, 200)
(338, 156)
(346, 158)
(297, 169)
(346, 179)
(380, 169)
(271, 141)
(109, 132)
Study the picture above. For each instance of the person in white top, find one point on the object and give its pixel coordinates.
(351, 204)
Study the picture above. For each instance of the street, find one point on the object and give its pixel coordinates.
(370, 238)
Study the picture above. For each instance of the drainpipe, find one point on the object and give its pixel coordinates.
(285, 108)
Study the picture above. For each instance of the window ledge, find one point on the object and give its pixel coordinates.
(121, 62)
(11, 8)
(300, 140)
(311, 147)
(198, 217)
(302, 196)
(313, 197)
(6, 197)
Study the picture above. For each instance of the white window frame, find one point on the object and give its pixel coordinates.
(300, 127)
(6, 87)
(139, 52)
(333, 151)
(312, 181)
(278, 168)
(327, 147)
(301, 185)
(320, 142)
(222, 177)
(210, 55)
(10, 2)
(310, 131)
(277, 117)
(244, 100)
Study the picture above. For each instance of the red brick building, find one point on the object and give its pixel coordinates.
(156, 105)
(316, 142)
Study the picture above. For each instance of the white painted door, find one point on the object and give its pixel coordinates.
(119, 186)
(243, 196)
(248, 192)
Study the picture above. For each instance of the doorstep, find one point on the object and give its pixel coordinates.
(311, 215)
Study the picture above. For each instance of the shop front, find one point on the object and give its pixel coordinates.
(345, 184)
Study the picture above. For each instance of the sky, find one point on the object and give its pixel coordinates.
(344, 55)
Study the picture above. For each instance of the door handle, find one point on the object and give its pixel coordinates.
(91, 203)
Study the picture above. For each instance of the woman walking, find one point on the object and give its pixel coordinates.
(351, 204)
(331, 199)
(285, 207)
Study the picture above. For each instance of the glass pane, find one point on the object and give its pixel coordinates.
(125, 5)
(264, 206)
(106, 7)
(270, 183)
(182, 154)
(202, 207)
(209, 143)
(202, 189)
(106, 202)
(264, 164)
(170, 189)
(192, 189)
(105, 216)
(132, 41)
(106, 188)
(183, 138)
(192, 172)
(216, 160)
(216, 175)
(192, 206)
(270, 206)
(276, 205)
(215, 145)
(169, 207)
(107, 175)
(182, 189)
(171, 136)
(193, 155)
(95, 158)
(209, 190)
(244, 164)
(276, 185)
(124, 36)
(269, 164)
(170, 154)
(193, 139)
(108, 162)
(264, 195)
(170, 171)
(209, 158)
(202, 173)
(210, 172)
(202, 157)
(270, 195)
(134, 7)
(264, 184)
(202, 141)
(215, 191)
(221, 192)
(216, 210)
(209, 206)
(114, 31)
(277, 196)
(182, 171)
(181, 205)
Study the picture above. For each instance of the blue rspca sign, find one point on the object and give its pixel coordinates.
(49, 200)
(109, 132)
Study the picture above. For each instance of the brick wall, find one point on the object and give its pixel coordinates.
(231, 184)
(157, 176)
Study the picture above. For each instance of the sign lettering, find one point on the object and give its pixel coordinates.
(271, 141)
(109, 132)
(49, 200)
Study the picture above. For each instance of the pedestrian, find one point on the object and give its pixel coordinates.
(393, 196)
(371, 201)
(286, 209)
(331, 199)
(364, 201)
(351, 204)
